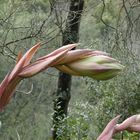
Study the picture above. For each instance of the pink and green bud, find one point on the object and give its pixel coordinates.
(94, 64)
(83, 62)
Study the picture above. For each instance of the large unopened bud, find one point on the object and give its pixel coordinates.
(82, 62)
(94, 64)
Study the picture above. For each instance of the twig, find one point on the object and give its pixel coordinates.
(24, 92)
(102, 17)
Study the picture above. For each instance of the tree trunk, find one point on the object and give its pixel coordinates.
(70, 35)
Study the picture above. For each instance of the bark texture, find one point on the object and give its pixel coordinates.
(70, 35)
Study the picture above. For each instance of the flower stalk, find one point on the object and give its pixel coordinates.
(81, 62)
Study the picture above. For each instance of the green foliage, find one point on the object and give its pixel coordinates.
(77, 125)
(106, 15)
(93, 103)
(130, 136)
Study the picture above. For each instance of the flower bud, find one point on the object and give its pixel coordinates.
(99, 67)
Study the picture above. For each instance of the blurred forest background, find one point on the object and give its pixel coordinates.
(106, 25)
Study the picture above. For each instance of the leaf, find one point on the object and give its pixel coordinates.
(66, 47)
(24, 61)
(41, 65)
(109, 130)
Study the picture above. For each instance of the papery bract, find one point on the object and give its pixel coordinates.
(10, 82)
(130, 124)
(108, 132)
(25, 69)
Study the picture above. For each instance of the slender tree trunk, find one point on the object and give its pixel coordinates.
(70, 35)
